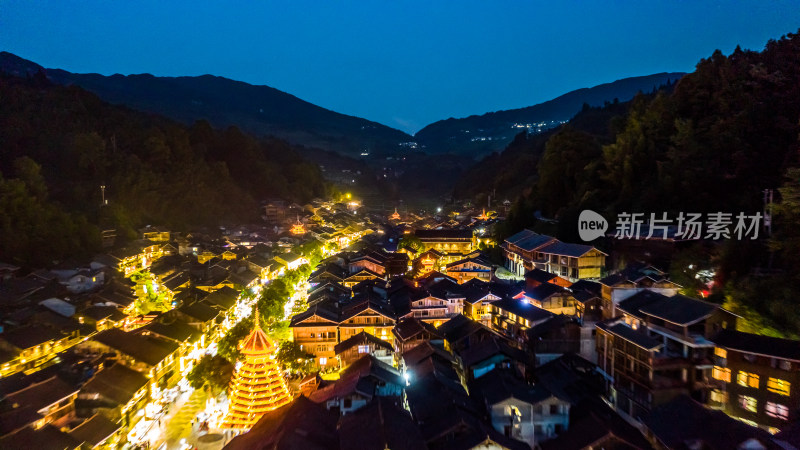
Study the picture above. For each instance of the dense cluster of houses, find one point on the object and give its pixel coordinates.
(568, 356)
(92, 352)
(431, 345)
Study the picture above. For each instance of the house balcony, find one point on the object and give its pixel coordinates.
(662, 382)
(310, 340)
(692, 340)
(670, 360)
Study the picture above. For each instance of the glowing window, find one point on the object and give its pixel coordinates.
(748, 403)
(778, 386)
(721, 352)
(777, 410)
(747, 379)
(719, 396)
(721, 373)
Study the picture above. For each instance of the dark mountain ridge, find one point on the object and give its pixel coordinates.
(265, 111)
(479, 135)
(260, 110)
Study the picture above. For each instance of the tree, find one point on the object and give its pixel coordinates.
(228, 346)
(212, 372)
(411, 242)
(292, 357)
(786, 239)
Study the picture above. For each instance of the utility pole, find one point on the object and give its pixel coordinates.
(103, 194)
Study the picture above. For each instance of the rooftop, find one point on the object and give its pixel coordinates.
(444, 235)
(529, 240)
(522, 309)
(117, 383)
(638, 338)
(94, 430)
(679, 309)
(146, 349)
(761, 345)
(42, 394)
(362, 338)
(30, 336)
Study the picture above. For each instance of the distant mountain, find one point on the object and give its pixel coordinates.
(479, 135)
(260, 110)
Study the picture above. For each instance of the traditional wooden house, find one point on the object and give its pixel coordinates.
(316, 330)
(528, 250)
(350, 350)
(116, 392)
(466, 269)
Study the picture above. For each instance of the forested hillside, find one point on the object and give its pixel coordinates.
(259, 110)
(61, 144)
(725, 133)
(475, 136)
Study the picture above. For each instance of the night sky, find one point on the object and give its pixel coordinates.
(401, 63)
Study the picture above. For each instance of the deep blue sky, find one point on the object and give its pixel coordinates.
(402, 63)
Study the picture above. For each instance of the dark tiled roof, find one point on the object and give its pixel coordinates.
(684, 420)
(762, 345)
(44, 393)
(362, 377)
(103, 312)
(30, 336)
(146, 349)
(489, 348)
(679, 309)
(594, 425)
(566, 249)
(362, 338)
(363, 272)
(201, 311)
(323, 309)
(382, 424)
(117, 383)
(539, 275)
(302, 424)
(634, 273)
(243, 278)
(529, 240)
(553, 323)
(287, 258)
(45, 438)
(176, 330)
(522, 309)
(585, 290)
(436, 235)
(501, 384)
(176, 280)
(224, 297)
(95, 430)
(635, 302)
(480, 260)
(587, 286)
(458, 328)
(636, 337)
(409, 327)
(543, 291)
(571, 377)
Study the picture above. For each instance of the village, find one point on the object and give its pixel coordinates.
(404, 330)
